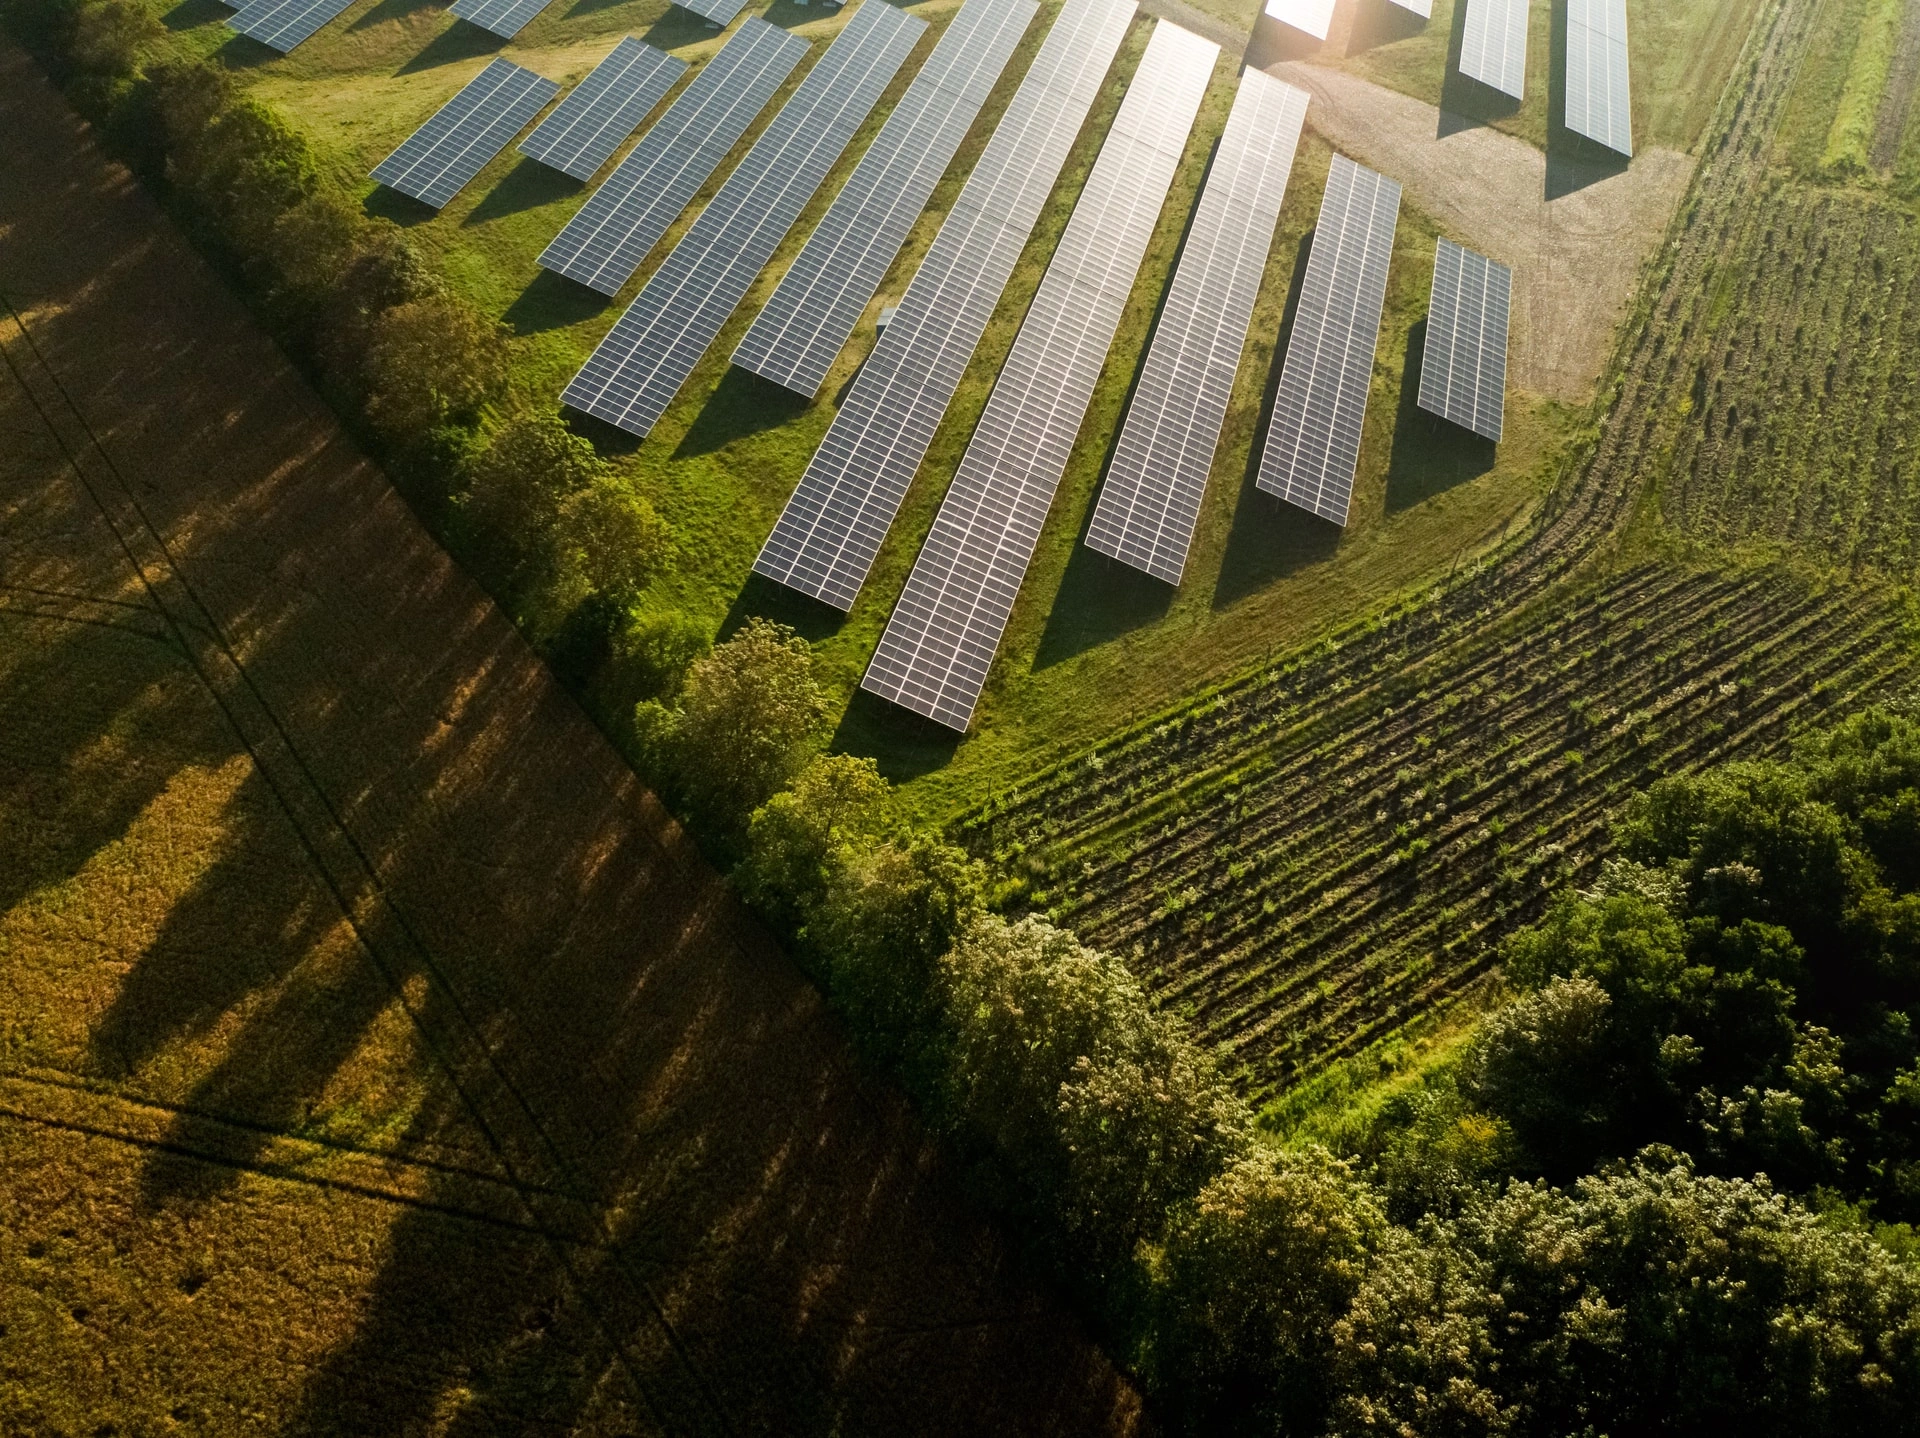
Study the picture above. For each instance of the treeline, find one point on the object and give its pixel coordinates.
(1645, 1197)
(561, 538)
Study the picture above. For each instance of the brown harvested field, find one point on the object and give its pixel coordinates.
(375, 1055)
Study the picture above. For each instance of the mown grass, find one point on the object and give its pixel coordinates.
(1857, 111)
(1681, 53)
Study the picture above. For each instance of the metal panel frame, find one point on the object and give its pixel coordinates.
(598, 114)
(505, 18)
(621, 222)
(1312, 453)
(441, 158)
(796, 338)
(1150, 499)
(939, 645)
(1463, 367)
(1493, 45)
(716, 12)
(635, 372)
(1599, 91)
(832, 527)
(283, 24)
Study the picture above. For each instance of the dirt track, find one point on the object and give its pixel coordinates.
(1575, 235)
(762, 1242)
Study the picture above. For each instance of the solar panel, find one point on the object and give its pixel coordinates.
(282, 24)
(939, 644)
(1422, 8)
(796, 338)
(608, 237)
(602, 110)
(1493, 46)
(1311, 16)
(832, 526)
(1463, 370)
(631, 378)
(436, 160)
(1313, 443)
(720, 12)
(1599, 104)
(1151, 497)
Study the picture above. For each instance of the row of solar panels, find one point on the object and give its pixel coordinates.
(1493, 51)
(282, 24)
(940, 642)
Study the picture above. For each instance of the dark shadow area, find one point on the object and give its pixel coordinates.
(390, 10)
(1573, 161)
(403, 210)
(243, 52)
(191, 14)
(677, 27)
(552, 302)
(1273, 42)
(459, 41)
(786, 14)
(594, 7)
(740, 405)
(1381, 22)
(1100, 599)
(904, 744)
(527, 186)
(608, 439)
(1465, 103)
(762, 598)
(1270, 539)
(1430, 455)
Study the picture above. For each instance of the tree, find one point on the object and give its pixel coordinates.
(430, 362)
(110, 36)
(801, 839)
(1254, 1274)
(748, 716)
(518, 487)
(609, 541)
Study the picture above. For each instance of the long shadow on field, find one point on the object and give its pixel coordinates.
(902, 743)
(552, 302)
(1273, 43)
(1382, 22)
(527, 186)
(724, 1224)
(1430, 455)
(459, 41)
(761, 598)
(1573, 161)
(390, 10)
(742, 404)
(1465, 103)
(1271, 539)
(191, 14)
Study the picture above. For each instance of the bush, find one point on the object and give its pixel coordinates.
(430, 362)
(801, 839)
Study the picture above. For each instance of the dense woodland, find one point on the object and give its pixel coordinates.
(1666, 1182)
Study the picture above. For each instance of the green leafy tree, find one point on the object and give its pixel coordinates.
(430, 362)
(608, 541)
(800, 840)
(746, 725)
(111, 37)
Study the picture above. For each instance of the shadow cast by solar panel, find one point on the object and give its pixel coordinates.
(403, 210)
(1272, 42)
(1430, 455)
(1381, 22)
(1270, 539)
(740, 405)
(594, 7)
(552, 302)
(390, 10)
(763, 598)
(243, 52)
(1465, 103)
(459, 41)
(527, 186)
(192, 14)
(904, 745)
(1573, 161)
(674, 28)
(607, 439)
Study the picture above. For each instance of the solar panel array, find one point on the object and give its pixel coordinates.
(1313, 442)
(1493, 45)
(1599, 103)
(608, 237)
(283, 24)
(602, 110)
(1422, 8)
(832, 527)
(1313, 17)
(1150, 500)
(633, 375)
(939, 644)
(505, 18)
(1463, 370)
(720, 12)
(436, 160)
(796, 338)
